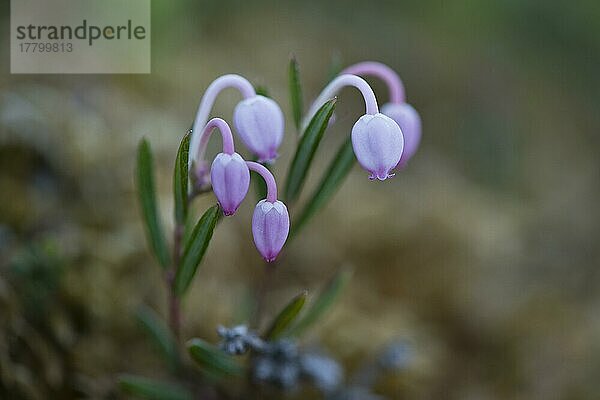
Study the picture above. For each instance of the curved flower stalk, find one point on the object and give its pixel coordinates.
(398, 109)
(377, 140)
(271, 221)
(258, 120)
(229, 173)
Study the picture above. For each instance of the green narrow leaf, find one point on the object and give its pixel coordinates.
(306, 150)
(295, 92)
(195, 248)
(160, 334)
(188, 228)
(181, 179)
(213, 360)
(286, 317)
(147, 196)
(332, 178)
(151, 389)
(325, 300)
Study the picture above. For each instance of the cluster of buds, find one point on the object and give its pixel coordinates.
(259, 123)
(397, 108)
(382, 142)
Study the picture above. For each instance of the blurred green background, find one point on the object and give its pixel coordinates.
(483, 253)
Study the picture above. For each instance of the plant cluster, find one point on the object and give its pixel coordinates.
(381, 141)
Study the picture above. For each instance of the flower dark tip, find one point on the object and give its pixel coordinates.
(227, 212)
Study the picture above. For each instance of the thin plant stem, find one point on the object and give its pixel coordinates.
(268, 177)
(334, 87)
(226, 135)
(382, 71)
(206, 103)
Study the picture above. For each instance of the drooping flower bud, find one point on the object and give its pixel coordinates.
(260, 123)
(230, 179)
(199, 141)
(270, 228)
(378, 143)
(397, 109)
(271, 221)
(410, 123)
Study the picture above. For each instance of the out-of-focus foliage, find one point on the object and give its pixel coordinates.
(286, 317)
(482, 253)
(147, 194)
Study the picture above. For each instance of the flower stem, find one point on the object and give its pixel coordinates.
(208, 100)
(227, 137)
(268, 177)
(335, 86)
(383, 72)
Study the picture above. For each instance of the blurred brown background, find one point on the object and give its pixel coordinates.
(483, 253)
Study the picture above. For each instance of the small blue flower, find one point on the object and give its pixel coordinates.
(278, 364)
(395, 356)
(323, 371)
(238, 340)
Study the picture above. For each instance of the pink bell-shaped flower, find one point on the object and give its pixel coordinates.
(271, 221)
(410, 123)
(397, 109)
(376, 138)
(270, 228)
(378, 144)
(229, 173)
(260, 123)
(230, 179)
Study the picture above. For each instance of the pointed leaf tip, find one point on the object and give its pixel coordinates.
(286, 317)
(295, 87)
(181, 180)
(323, 303)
